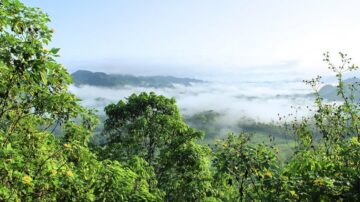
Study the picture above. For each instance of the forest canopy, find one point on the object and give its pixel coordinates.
(150, 153)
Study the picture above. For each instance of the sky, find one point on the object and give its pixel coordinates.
(207, 37)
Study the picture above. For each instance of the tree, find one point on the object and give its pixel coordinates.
(151, 154)
(150, 127)
(245, 172)
(184, 172)
(141, 126)
(325, 165)
(34, 100)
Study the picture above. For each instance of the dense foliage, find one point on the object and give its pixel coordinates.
(34, 98)
(149, 152)
(150, 127)
(325, 166)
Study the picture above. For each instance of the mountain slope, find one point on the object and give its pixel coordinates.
(100, 79)
(329, 92)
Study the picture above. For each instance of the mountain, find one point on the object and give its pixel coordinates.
(329, 92)
(101, 79)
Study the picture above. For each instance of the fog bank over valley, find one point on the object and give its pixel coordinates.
(250, 102)
(233, 99)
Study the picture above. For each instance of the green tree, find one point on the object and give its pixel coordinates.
(150, 127)
(245, 172)
(34, 99)
(141, 126)
(184, 172)
(325, 166)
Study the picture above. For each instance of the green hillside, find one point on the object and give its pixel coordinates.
(100, 79)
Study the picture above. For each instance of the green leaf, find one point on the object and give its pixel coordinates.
(3, 67)
(43, 77)
(54, 50)
(8, 147)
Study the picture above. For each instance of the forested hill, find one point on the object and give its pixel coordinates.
(101, 79)
(329, 92)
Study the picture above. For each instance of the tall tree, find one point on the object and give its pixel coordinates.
(142, 126)
(34, 99)
(150, 126)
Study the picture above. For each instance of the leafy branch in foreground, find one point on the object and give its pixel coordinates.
(321, 168)
(324, 167)
(35, 165)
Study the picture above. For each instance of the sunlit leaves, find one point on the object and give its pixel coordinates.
(150, 126)
(245, 171)
(34, 101)
(324, 167)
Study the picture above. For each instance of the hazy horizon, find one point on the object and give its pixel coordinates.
(203, 37)
(251, 51)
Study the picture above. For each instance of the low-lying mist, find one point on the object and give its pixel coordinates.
(261, 101)
(220, 107)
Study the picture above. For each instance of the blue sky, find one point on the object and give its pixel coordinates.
(202, 35)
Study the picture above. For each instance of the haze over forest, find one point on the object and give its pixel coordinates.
(232, 45)
(176, 101)
(241, 60)
(253, 56)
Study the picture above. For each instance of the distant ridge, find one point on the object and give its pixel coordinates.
(329, 92)
(101, 79)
